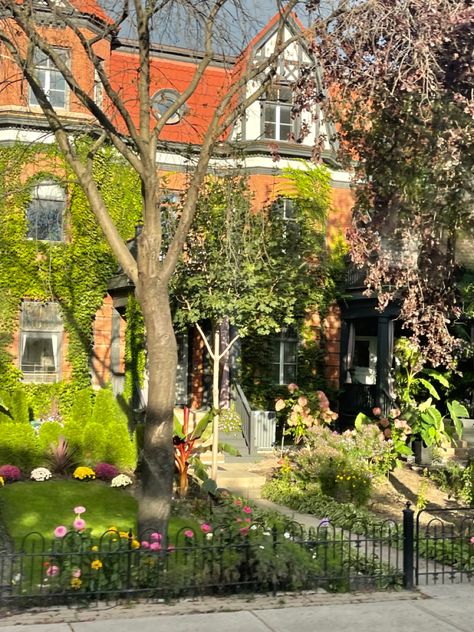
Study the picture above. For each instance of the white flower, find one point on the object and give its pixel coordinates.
(209, 536)
(253, 527)
(286, 535)
(122, 480)
(40, 474)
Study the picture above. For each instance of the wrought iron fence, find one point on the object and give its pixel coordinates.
(246, 560)
(444, 545)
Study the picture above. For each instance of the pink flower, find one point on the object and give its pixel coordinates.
(247, 509)
(377, 411)
(155, 546)
(237, 502)
(60, 531)
(51, 571)
(206, 528)
(145, 544)
(79, 510)
(155, 536)
(302, 401)
(189, 534)
(323, 400)
(79, 524)
(244, 530)
(292, 387)
(279, 404)
(248, 519)
(472, 540)
(76, 572)
(171, 547)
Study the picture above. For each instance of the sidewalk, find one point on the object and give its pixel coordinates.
(434, 609)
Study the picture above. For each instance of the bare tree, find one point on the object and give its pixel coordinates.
(22, 36)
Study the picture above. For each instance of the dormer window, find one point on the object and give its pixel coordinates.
(50, 79)
(276, 113)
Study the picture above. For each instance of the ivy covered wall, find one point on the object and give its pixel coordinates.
(73, 273)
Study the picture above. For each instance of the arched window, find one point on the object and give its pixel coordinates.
(45, 213)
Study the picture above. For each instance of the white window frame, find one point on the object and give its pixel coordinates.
(279, 106)
(284, 338)
(49, 68)
(46, 331)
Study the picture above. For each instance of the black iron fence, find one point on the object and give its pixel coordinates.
(256, 559)
(432, 546)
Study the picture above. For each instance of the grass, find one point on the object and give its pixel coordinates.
(31, 506)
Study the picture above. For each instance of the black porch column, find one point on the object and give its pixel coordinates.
(384, 363)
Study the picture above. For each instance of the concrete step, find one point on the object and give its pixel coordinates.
(238, 479)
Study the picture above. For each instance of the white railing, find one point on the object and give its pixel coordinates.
(258, 426)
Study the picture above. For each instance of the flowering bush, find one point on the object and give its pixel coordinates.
(395, 430)
(106, 471)
(83, 473)
(10, 473)
(122, 480)
(40, 474)
(303, 412)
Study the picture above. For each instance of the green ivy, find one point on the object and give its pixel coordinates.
(73, 273)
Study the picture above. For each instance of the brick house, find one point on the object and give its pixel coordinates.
(39, 348)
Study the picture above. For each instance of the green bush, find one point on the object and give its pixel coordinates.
(120, 448)
(48, 433)
(81, 409)
(106, 409)
(18, 446)
(73, 431)
(345, 484)
(19, 407)
(93, 444)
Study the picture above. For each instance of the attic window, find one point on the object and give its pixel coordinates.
(162, 101)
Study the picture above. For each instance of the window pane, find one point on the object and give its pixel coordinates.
(275, 373)
(45, 220)
(270, 113)
(285, 115)
(57, 98)
(362, 353)
(38, 355)
(289, 373)
(269, 130)
(290, 352)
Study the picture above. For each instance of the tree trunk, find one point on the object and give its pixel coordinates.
(157, 459)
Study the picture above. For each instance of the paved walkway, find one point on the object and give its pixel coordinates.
(435, 609)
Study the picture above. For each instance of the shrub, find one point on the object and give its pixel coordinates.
(61, 457)
(40, 474)
(81, 410)
(106, 471)
(83, 473)
(120, 448)
(106, 409)
(73, 432)
(19, 407)
(18, 445)
(345, 484)
(48, 433)
(10, 473)
(94, 444)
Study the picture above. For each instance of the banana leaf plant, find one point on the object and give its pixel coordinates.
(189, 444)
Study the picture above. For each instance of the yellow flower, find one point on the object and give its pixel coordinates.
(94, 548)
(135, 544)
(76, 582)
(96, 564)
(83, 472)
(123, 534)
(2, 482)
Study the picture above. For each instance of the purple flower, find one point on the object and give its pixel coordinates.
(79, 510)
(324, 524)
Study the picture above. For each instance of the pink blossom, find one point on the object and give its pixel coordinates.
(244, 530)
(76, 572)
(155, 546)
(323, 400)
(377, 411)
(188, 533)
(206, 528)
(51, 571)
(279, 404)
(237, 502)
(155, 536)
(145, 544)
(79, 524)
(248, 519)
(79, 510)
(292, 387)
(247, 509)
(303, 401)
(472, 540)
(60, 531)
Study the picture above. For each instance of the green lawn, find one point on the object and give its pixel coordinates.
(31, 506)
